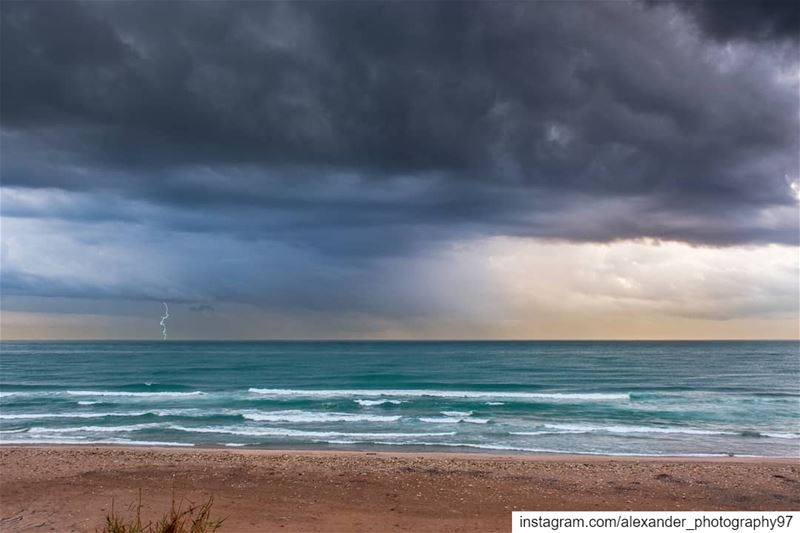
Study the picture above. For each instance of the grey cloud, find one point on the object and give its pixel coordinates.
(374, 128)
(760, 20)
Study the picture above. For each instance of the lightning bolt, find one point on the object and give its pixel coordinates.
(164, 317)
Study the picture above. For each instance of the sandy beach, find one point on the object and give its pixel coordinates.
(66, 488)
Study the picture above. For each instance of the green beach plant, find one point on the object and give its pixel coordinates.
(194, 519)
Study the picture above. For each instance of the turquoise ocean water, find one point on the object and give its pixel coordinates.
(650, 398)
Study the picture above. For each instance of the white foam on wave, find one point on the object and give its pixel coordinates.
(86, 402)
(97, 429)
(779, 435)
(264, 416)
(135, 394)
(580, 428)
(452, 420)
(235, 444)
(37, 416)
(78, 440)
(312, 416)
(371, 403)
(456, 413)
(560, 396)
(501, 447)
(504, 447)
(190, 412)
(283, 432)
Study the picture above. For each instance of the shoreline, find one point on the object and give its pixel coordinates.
(484, 455)
(71, 487)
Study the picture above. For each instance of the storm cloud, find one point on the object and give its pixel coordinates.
(759, 20)
(349, 133)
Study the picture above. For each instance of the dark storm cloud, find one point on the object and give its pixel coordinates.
(746, 19)
(369, 128)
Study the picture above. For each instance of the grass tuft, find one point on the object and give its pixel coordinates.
(194, 519)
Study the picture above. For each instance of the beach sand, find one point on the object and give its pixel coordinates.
(70, 488)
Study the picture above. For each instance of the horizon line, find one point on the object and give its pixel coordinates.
(409, 340)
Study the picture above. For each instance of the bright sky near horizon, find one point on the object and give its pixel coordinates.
(409, 170)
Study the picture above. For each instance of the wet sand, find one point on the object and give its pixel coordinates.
(70, 488)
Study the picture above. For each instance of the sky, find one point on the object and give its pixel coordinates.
(400, 170)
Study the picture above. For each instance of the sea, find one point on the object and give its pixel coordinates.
(605, 398)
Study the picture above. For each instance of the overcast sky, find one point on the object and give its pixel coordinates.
(604, 169)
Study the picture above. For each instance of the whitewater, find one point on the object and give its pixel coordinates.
(607, 398)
